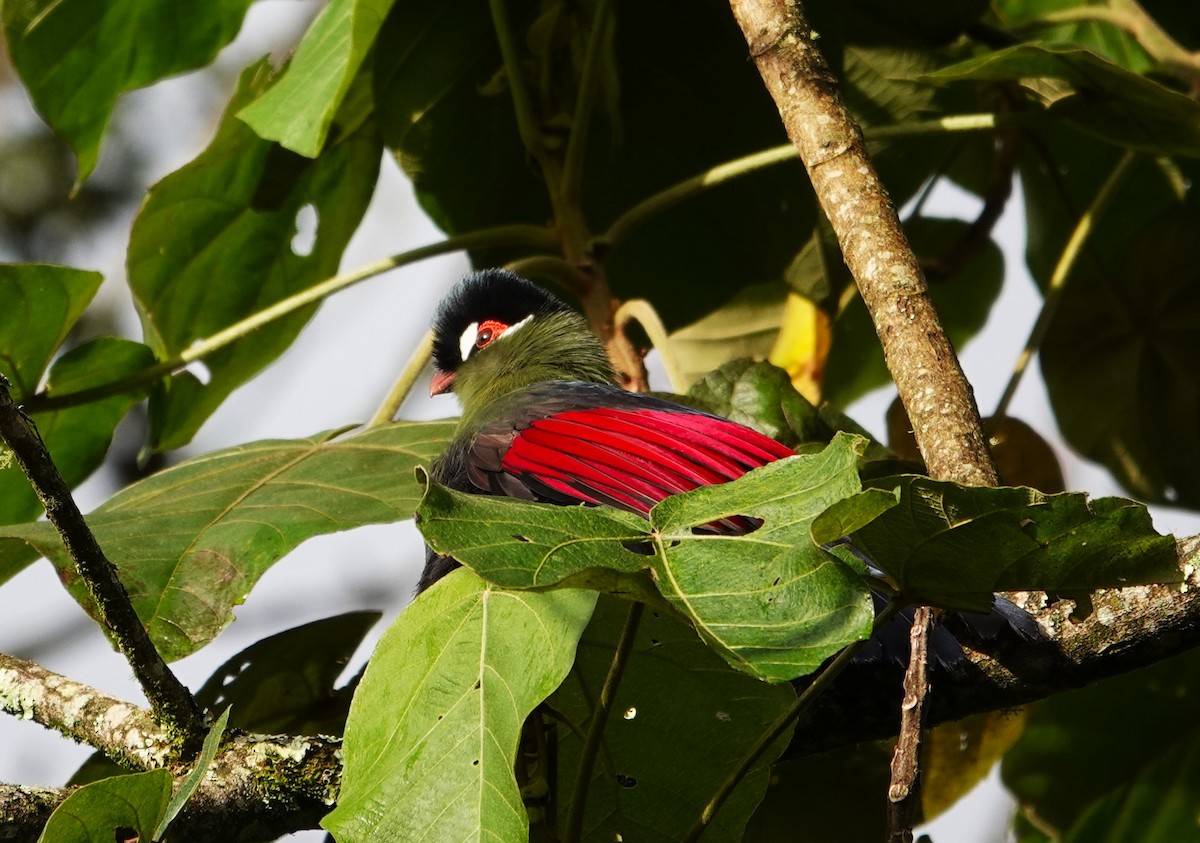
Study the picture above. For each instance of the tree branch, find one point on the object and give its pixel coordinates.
(170, 699)
(265, 787)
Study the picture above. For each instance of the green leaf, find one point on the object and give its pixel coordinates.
(77, 56)
(746, 326)
(195, 776)
(213, 245)
(299, 108)
(771, 602)
(111, 809)
(190, 542)
(660, 759)
(953, 546)
(1121, 357)
(1103, 99)
(440, 89)
(284, 684)
(1112, 42)
(431, 741)
(41, 304)
(1080, 755)
(1158, 806)
(761, 396)
(77, 437)
(963, 300)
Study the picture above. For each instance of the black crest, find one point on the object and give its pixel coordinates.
(487, 294)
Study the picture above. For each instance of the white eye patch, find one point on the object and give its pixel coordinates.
(466, 343)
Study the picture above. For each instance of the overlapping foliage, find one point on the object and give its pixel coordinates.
(626, 100)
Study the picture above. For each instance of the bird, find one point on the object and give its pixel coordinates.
(543, 419)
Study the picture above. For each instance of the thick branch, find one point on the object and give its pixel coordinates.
(1127, 628)
(172, 702)
(257, 788)
(919, 356)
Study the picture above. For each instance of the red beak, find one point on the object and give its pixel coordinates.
(442, 382)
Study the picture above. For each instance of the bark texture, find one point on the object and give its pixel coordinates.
(928, 377)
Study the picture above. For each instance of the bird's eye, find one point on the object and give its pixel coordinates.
(488, 332)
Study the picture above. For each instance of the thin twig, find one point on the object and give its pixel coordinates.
(1058, 279)
(169, 698)
(595, 732)
(404, 382)
(527, 235)
(903, 793)
(822, 681)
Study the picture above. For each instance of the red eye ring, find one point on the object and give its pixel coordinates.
(488, 332)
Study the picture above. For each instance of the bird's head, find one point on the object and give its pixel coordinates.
(496, 332)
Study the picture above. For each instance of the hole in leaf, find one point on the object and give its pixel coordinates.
(475, 763)
(478, 684)
(734, 525)
(641, 548)
(123, 834)
(626, 781)
(630, 713)
(775, 583)
(654, 642)
(525, 539)
(306, 231)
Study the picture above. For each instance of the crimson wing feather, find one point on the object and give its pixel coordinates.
(571, 443)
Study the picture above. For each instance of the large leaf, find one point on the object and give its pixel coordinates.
(76, 437)
(41, 304)
(213, 245)
(77, 56)
(772, 602)
(190, 542)
(1104, 99)
(1121, 358)
(111, 809)
(760, 395)
(953, 546)
(1112, 42)
(299, 108)
(1147, 761)
(661, 759)
(431, 741)
(440, 91)
(284, 684)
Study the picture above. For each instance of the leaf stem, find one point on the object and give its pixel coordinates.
(653, 205)
(591, 744)
(652, 324)
(585, 104)
(1058, 279)
(404, 382)
(171, 701)
(528, 235)
(822, 681)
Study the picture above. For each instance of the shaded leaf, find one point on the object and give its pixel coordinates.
(299, 108)
(41, 304)
(77, 56)
(77, 437)
(957, 756)
(761, 396)
(1107, 759)
(1104, 99)
(284, 684)
(213, 245)
(660, 760)
(191, 541)
(1120, 362)
(111, 809)
(431, 741)
(953, 546)
(1107, 40)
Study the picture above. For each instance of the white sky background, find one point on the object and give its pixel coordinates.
(338, 372)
